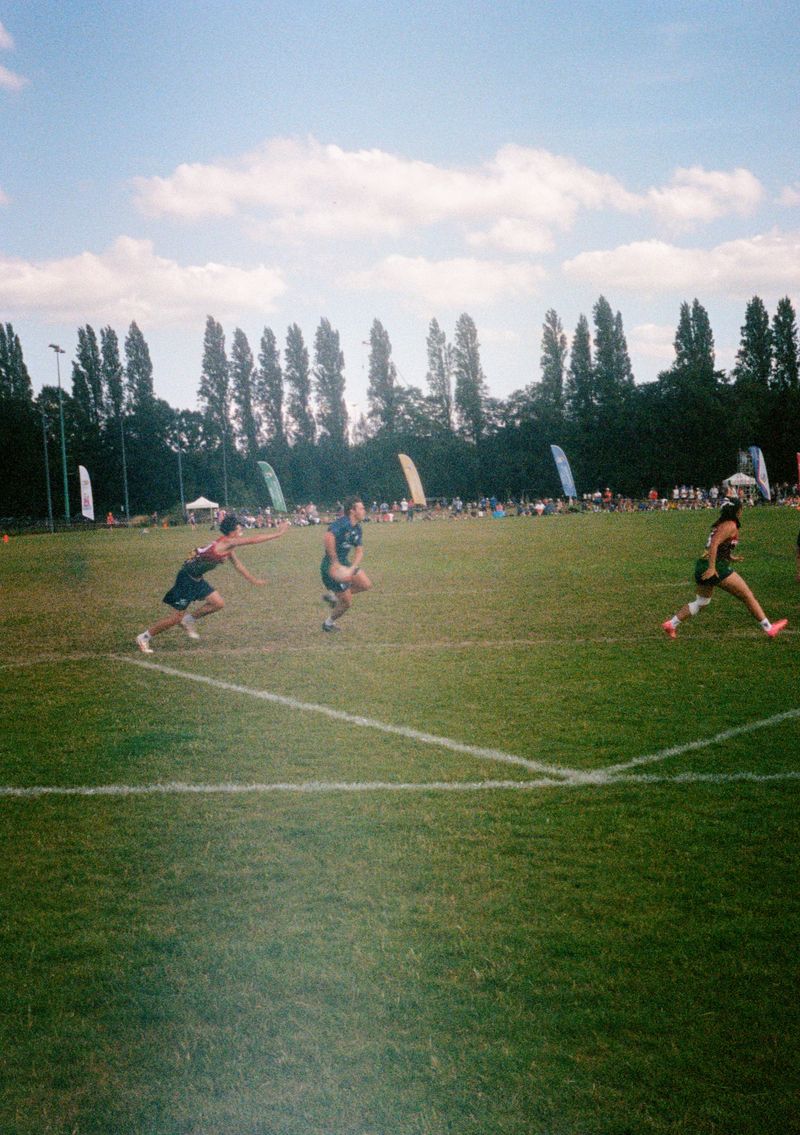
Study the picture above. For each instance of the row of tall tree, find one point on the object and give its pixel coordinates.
(289, 409)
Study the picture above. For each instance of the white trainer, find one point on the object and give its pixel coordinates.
(143, 642)
(188, 623)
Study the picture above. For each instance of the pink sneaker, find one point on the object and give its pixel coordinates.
(668, 629)
(776, 628)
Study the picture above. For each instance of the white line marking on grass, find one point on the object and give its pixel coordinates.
(310, 787)
(320, 787)
(705, 778)
(363, 722)
(691, 746)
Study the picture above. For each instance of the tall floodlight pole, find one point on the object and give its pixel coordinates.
(59, 351)
(180, 467)
(50, 524)
(224, 467)
(124, 471)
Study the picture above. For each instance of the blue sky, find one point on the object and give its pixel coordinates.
(276, 163)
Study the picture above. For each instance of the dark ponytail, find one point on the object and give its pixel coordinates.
(730, 511)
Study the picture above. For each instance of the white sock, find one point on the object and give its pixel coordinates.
(765, 624)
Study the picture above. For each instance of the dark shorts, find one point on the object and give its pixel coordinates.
(331, 584)
(724, 569)
(185, 590)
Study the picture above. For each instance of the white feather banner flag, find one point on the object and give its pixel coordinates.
(87, 504)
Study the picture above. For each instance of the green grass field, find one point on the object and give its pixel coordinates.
(402, 894)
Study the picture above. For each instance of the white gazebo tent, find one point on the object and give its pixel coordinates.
(740, 480)
(203, 503)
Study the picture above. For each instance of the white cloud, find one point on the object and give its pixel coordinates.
(650, 266)
(446, 283)
(306, 188)
(516, 202)
(769, 262)
(699, 196)
(790, 195)
(652, 341)
(546, 189)
(4, 198)
(510, 234)
(10, 81)
(500, 336)
(128, 281)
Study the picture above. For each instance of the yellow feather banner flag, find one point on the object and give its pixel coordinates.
(412, 477)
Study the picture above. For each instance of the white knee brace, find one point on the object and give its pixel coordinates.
(697, 603)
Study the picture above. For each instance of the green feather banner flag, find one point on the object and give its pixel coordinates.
(274, 486)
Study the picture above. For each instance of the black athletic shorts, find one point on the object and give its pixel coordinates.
(185, 590)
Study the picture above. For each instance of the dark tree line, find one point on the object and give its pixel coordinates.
(289, 408)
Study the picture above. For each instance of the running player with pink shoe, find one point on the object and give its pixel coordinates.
(715, 569)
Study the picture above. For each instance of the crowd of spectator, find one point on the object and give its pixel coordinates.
(455, 508)
(601, 500)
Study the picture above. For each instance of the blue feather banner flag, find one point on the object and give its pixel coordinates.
(564, 471)
(760, 472)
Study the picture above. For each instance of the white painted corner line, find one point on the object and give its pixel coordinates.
(320, 787)
(611, 771)
(566, 774)
(309, 787)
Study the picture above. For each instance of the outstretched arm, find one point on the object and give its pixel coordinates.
(242, 570)
(260, 538)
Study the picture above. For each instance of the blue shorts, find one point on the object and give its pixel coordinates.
(185, 590)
